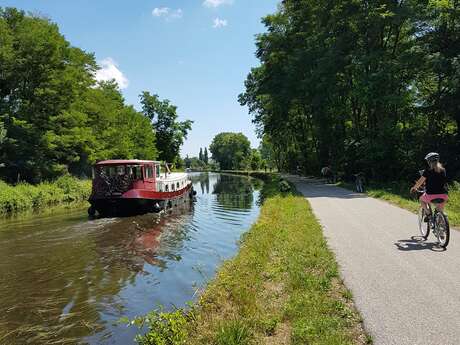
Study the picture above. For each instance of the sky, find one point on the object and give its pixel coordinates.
(196, 53)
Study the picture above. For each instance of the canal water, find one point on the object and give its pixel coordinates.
(65, 279)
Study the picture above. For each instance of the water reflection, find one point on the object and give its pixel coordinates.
(67, 280)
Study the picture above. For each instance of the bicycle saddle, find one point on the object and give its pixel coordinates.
(438, 201)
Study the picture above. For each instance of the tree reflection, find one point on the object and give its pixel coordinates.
(234, 191)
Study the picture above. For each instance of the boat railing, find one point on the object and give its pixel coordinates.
(171, 184)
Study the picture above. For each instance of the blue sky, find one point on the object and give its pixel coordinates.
(196, 53)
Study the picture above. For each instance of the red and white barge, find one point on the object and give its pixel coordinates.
(128, 187)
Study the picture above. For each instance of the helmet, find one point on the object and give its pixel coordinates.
(432, 157)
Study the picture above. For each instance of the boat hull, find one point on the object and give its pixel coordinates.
(136, 202)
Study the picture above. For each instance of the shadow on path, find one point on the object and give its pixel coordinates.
(417, 243)
(316, 188)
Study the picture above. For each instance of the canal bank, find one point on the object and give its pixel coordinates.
(283, 287)
(24, 197)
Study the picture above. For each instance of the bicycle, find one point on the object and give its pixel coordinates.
(437, 221)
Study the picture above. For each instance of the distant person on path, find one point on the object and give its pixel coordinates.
(327, 174)
(435, 180)
(359, 182)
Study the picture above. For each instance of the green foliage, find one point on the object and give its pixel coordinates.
(170, 133)
(205, 156)
(57, 117)
(164, 328)
(230, 150)
(361, 86)
(26, 197)
(284, 186)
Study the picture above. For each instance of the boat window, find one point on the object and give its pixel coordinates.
(134, 171)
(172, 187)
(158, 170)
(111, 170)
(149, 171)
(178, 185)
(167, 188)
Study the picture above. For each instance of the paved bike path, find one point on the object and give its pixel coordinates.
(407, 290)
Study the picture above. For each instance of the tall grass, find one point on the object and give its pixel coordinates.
(27, 197)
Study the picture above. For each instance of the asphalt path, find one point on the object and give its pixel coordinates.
(406, 289)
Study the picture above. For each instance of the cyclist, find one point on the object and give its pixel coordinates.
(435, 180)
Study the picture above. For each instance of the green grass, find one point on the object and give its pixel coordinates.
(25, 197)
(283, 286)
(398, 194)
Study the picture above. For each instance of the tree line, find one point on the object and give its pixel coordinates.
(55, 118)
(366, 86)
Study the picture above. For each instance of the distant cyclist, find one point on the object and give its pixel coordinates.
(435, 180)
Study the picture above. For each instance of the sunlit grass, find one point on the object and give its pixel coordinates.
(283, 287)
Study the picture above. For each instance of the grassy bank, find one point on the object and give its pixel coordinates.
(283, 287)
(25, 197)
(398, 194)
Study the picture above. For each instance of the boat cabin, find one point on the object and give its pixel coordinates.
(145, 182)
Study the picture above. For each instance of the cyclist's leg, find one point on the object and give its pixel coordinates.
(424, 202)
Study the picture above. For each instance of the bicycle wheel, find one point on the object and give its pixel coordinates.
(423, 226)
(442, 229)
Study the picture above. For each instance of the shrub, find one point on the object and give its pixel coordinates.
(24, 196)
(165, 328)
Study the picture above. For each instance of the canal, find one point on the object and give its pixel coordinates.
(65, 279)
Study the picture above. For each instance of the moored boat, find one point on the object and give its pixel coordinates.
(128, 187)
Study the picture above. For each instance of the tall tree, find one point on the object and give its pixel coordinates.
(205, 156)
(200, 155)
(170, 133)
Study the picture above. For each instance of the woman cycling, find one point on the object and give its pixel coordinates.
(435, 180)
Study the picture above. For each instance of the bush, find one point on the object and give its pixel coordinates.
(24, 196)
(164, 328)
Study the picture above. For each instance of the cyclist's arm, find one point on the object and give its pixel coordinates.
(419, 183)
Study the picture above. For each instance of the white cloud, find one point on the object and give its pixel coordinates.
(219, 23)
(216, 3)
(109, 70)
(167, 13)
(160, 11)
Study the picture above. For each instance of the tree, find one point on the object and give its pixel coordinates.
(364, 86)
(205, 156)
(58, 118)
(230, 150)
(170, 133)
(200, 156)
(42, 77)
(187, 162)
(2, 139)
